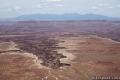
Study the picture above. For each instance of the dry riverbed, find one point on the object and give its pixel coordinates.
(88, 55)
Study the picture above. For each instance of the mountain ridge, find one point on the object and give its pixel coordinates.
(63, 17)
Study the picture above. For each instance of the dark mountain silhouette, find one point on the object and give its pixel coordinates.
(61, 17)
(64, 17)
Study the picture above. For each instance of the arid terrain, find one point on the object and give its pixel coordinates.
(59, 50)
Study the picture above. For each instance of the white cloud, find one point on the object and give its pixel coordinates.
(118, 6)
(104, 4)
(17, 8)
(54, 0)
(37, 6)
(9, 9)
(95, 8)
(40, 5)
(46, 5)
(59, 5)
(110, 7)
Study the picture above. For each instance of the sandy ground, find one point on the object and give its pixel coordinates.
(8, 46)
(88, 55)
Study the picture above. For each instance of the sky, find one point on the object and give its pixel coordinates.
(13, 8)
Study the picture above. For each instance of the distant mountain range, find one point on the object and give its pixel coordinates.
(64, 17)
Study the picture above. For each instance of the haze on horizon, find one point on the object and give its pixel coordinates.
(13, 8)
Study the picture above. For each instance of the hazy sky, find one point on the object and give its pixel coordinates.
(12, 8)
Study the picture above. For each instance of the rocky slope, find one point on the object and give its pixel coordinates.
(88, 56)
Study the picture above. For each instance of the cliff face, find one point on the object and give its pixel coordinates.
(81, 57)
(53, 50)
(44, 48)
